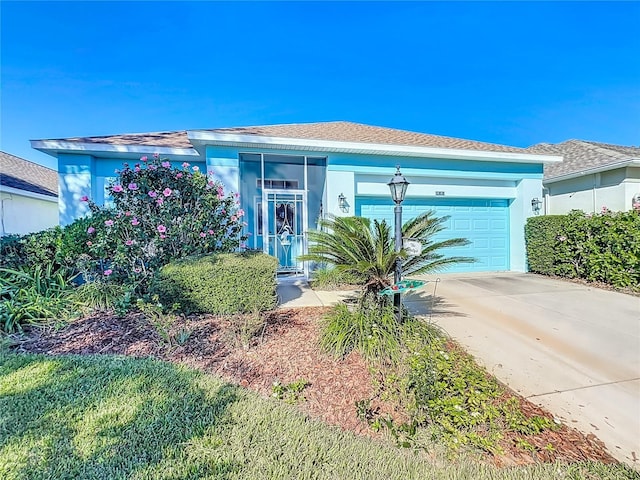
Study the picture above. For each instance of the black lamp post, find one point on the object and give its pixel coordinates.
(398, 186)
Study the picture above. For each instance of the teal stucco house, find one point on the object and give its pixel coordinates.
(289, 176)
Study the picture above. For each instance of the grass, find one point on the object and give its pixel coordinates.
(115, 417)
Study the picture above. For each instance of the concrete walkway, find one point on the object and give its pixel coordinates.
(573, 349)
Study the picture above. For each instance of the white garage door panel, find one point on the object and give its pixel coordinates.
(484, 222)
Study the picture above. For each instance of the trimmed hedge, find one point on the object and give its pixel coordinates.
(58, 246)
(222, 284)
(603, 247)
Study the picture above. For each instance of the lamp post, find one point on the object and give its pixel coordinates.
(398, 186)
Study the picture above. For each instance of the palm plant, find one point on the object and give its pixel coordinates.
(358, 246)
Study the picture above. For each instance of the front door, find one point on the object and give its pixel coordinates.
(284, 217)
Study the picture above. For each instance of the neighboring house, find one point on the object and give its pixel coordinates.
(592, 176)
(28, 196)
(289, 176)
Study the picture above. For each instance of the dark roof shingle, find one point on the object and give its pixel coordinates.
(16, 172)
(581, 155)
(331, 131)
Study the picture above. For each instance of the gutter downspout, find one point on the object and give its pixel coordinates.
(547, 199)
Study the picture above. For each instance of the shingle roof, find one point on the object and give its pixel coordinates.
(331, 131)
(580, 155)
(22, 174)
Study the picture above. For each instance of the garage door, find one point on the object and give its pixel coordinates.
(484, 222)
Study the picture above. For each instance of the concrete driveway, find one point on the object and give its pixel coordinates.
(573, 349)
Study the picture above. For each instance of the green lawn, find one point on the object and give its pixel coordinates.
(113, 417)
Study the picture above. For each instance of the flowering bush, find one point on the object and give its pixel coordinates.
(161, 213)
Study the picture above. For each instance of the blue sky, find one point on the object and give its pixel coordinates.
(512, 73)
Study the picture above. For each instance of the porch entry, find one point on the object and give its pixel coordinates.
(283, 226)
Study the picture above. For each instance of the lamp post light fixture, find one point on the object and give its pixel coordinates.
(398, 186)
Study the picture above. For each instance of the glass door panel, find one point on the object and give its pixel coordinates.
(284, 212)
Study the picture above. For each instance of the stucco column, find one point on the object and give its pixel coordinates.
(225, 169)
(76, 179)
(341, 183)
(520, 210)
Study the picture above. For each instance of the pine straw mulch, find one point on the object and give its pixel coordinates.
(286, 350)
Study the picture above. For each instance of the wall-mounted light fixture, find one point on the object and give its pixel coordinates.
(536, 205)
(342, 203)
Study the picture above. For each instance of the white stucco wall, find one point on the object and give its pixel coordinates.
(590, 193)
(20, 214)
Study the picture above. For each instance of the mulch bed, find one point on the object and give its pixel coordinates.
(286, 350)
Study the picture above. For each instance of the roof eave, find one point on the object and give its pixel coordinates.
(633, 162)
(54, 147)
(201, 138)
(52, 197)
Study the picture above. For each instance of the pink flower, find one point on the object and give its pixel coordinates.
(210, 183)
(185, 165)
(243, 245)
(202, 234)
(153, 193)
(108, 272)
(240, 213)
(160, 201)
(220, 197)
(156, 155)
(133, 186)
(89, 243)
(117, 189)
(137, 169)
(128, 243)
(167, 192)
(178, 175)
(163, 236)
(237, 195)
(211, 232)
(84, 198)
(196, 168)
(137, 270)
(127, 214)
(90, 230)
(109, 223)
(135, 221)
(234, 218)
(144, 158)
(166, 164)
(223, 211)
(161, 229)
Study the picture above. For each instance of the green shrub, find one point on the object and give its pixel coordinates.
(40, 248)
(331, 278)
(541, 236)
(604, 247)
(223, 284)
(34, 296)
(100, 295)
(373, 330)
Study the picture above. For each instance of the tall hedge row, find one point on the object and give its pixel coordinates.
(221, 284)
(604, 247)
